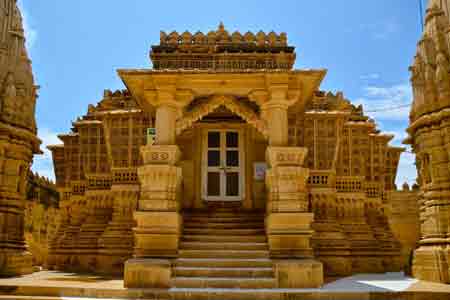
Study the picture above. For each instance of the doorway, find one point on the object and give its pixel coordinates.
(223, 177)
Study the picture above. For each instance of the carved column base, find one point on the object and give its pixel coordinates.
(157, 233)
(431, 263)
(15, 263)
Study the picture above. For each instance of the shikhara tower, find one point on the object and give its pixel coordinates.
(429, 136)
(18, 141)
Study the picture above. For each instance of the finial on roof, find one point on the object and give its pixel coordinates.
(221, 26)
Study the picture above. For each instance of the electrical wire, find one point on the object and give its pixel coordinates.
(421, 14)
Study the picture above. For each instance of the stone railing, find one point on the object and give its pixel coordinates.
(373, 189)
(78, 188)
(348, 184)
(99, 182)
(322, 178)
(125, 176)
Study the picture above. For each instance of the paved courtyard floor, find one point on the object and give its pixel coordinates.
(54, 283)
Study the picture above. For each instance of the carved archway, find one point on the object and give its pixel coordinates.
(237, 107)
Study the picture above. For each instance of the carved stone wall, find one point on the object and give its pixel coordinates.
(403, 216)
(96, 174)
(430, 139)
(41, 216)
(18, 141)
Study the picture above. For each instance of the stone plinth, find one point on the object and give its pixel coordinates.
(289, 234)
(299, 273)
(157, 233)
(146, 273)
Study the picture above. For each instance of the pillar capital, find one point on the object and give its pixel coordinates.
(169, 97)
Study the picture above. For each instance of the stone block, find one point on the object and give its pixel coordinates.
(301, 273)
(147, 273)
(289, 234)
(157, 233)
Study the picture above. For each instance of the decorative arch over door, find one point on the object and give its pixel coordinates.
(231, 103)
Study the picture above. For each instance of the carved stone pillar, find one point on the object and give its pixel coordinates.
(276, 115)
(288, 221)
(165, 124)
(157, 216)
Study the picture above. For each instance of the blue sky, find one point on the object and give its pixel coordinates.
(76, 47)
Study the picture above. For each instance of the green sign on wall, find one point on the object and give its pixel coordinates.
(151, 136)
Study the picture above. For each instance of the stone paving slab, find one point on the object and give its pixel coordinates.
(59, 285)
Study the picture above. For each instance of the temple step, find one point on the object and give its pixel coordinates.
(234, 225)
(223, 246)
(223, 253)
(211, 231)
(224, 262)
(224, 238)
(234, 219)
(223, 249)
(224, 214)
(222, 272)
(224, 282)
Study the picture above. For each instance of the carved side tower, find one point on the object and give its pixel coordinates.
(429, 133)
(18, 141)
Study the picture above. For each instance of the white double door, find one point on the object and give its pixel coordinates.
(222, 165)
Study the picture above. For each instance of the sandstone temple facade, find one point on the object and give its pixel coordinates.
(429, 135)
(251, 161)
(18, 141)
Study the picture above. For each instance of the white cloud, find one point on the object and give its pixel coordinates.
(381, 30)
(43, 164)
(30, 32)
(369, 76)
(386, 103)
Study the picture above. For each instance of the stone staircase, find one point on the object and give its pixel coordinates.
(223, 249)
